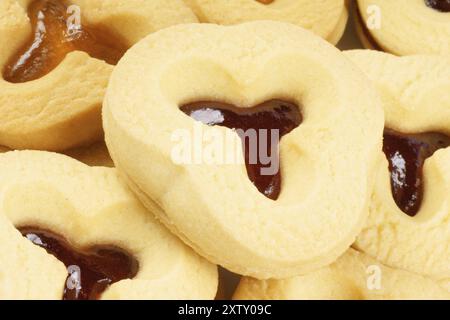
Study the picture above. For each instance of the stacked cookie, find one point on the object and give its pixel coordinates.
(404, 27)
(253, 145)
(407, 230)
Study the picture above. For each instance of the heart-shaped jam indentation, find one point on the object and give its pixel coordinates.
(439, 5)
(406, 154)
(90, 271)
(260, 129)
(56, 31)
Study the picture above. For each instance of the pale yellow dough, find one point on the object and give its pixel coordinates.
(88, 206)
(63, 109)
(215, 208)
(416, 98)
(407, 26)
(354, 276)
(326, 18)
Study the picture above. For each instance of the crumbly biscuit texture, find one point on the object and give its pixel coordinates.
(325, 18)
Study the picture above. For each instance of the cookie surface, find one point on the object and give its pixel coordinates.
(60, 108)
(354, 276)
(215, 207)
(92, 209)
(416, 98)
(404, 27)
(325, 18)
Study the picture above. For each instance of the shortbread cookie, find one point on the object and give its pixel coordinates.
(96, 155)
(264, 219)
(55, 60)
(405, 27)
(354, 276)
(409, 222)
(93, 225)
(325, 18)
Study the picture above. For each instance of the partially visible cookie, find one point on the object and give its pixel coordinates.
(55, 61)
(112, 247)
(354, 276)
(405, 27)
(409, 220)
(325, 18)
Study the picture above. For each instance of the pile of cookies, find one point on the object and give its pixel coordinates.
(146, 143)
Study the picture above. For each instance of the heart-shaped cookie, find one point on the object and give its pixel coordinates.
(168, 105)
(55, 61)
(409, 221)
(96, 239)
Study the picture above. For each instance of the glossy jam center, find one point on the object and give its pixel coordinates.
(265, 1)
(90, 272)
(440, 5)
(406, 155)
(55, 33)
(277, 117)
